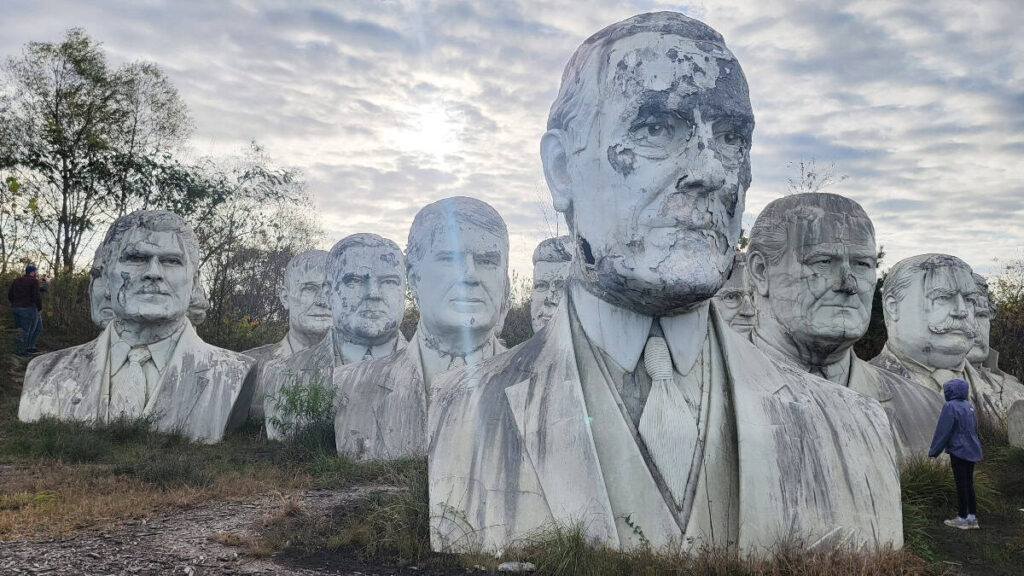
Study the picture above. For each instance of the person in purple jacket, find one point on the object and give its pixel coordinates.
(957, 434)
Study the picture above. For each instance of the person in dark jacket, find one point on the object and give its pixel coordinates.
(26, 305)
(957, 434)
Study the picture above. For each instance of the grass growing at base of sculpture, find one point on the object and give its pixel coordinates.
(304, 414)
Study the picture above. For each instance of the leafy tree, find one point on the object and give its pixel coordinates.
(79, 130)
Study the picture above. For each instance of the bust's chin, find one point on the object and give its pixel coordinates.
(653, 296)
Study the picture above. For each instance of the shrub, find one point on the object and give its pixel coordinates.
(305, 414)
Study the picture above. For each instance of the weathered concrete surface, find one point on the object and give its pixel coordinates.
(649, 163)
(148, 361)
(735, 299)
(309, 317)
(812, 262)
(458, 273)
(552, 260)
(364, 286)
(1015, 423)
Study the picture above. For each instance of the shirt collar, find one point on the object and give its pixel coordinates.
(352, 352)
(159, 351)
(915, 366)
(622, 334)
(433, 361)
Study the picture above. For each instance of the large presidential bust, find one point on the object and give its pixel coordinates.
(735, 300)
(148, 361)
(929, 302)
(637, 413)
(812, 263)
(457, 262)
(551, 261)
(1000, 390)
(309, 317)
(364, 287)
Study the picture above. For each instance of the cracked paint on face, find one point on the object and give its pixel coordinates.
(936, 323)
(308, 311)
(735, 301)
(367, 296)
(548, 289)
(821, 289)
(660, 207)
(151, 279)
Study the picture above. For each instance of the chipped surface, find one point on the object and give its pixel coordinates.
(735, 299)
(551, 263)
(150, 268)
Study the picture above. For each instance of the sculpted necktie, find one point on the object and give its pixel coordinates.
(128, 396)
(369, 354)
(457, 362)
(668, 425)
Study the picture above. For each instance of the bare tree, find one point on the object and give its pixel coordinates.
(811, 178)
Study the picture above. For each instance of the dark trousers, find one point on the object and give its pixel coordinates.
(963, 475)
(31, 325)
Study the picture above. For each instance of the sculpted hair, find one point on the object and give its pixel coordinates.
(770, 235)
(334, 269)
(985, 293)
(575, 108)
(448, 214)
(903, 272)
(155, 221)
(553, 250)
(310, 259)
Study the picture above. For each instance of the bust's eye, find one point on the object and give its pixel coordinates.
(659, 130)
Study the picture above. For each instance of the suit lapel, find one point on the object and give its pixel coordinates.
(551, 416)
(94, 391)
(184, 381)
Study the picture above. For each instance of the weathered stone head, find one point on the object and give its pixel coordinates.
(302, 295)
(735, 299)
(364, 285)
(458, 272)
(929, 304)
(984, 313)
(647, 156)
(150, 270)
(812, 262)
(551, 261)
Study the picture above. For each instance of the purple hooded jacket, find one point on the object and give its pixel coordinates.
(957, 430)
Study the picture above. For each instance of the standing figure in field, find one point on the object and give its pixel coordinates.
(637, 414)
(457, 262)
(309, 317)
(364, 286)
(735, 300)
(1000, 389)
(148, 361)
(812, 260)
(551, 262)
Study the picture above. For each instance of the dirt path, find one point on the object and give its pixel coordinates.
(173, 542)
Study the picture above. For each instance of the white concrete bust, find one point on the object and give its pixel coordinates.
(551, 262)
(735, 299)
(457, 263)
(364, 288)
(1000, 390)
(148, 362)
(309, 317)
(812, 262)
(647, 154)
(929, 303)
(458, 273)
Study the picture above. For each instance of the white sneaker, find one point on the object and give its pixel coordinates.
(972, 524)
(961, 523)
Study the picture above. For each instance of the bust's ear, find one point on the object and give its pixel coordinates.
(283, 295)
(891, 308)
(757, 271)
(554, 155)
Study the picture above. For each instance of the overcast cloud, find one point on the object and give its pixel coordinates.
(388, 105)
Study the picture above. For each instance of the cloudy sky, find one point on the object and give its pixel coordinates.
(387, 105)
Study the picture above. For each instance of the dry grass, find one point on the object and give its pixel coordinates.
(79, 496)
